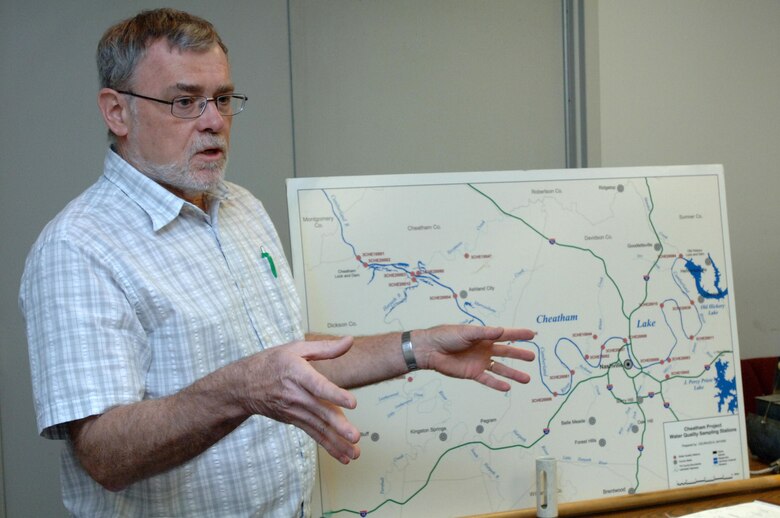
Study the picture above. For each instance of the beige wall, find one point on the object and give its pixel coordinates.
(696, 81)
(410, 86)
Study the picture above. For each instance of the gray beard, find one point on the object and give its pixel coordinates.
(178, 175)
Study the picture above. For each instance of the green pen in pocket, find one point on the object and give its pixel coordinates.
(265, 255)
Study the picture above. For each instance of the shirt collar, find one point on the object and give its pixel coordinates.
(159, 203)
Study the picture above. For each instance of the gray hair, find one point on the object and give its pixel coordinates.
(124, 44)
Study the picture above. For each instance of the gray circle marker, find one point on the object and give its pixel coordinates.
(602, 442)
(375, 437)
(442, 436)
(635, 428)
(592, 420)
(480, 429)
(464, 294)
(657, 247)
(620, 188)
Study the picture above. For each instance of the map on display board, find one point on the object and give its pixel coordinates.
(625, 274)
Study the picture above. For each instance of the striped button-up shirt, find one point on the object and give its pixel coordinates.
(132, 293)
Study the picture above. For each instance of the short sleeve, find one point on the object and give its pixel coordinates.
(88, 350)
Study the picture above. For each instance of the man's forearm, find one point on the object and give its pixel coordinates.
(132, 442)
(371, 359)
(458, 351)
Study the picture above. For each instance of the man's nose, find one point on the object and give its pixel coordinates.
(211, 119)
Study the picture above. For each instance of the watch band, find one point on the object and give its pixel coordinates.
(408, 350)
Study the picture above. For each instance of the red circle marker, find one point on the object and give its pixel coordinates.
(466, 256)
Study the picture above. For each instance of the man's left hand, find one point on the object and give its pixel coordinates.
(473, 352)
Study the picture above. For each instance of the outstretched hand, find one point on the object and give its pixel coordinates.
(280, 383)
(473, 352)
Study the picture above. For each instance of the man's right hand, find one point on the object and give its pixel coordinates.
(131, 442)
(281, 383)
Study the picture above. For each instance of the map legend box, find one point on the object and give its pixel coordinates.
(703, 450)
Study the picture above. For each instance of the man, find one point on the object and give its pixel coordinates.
(162, 347)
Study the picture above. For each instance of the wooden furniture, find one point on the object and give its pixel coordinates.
(669, 503)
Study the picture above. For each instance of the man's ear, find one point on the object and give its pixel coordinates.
(116, 113)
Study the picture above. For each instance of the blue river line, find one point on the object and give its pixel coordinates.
(686, 293)
(425, 277)
(544, 371)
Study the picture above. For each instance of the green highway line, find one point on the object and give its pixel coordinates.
(433, 469)
(617, 364)
(563, 245)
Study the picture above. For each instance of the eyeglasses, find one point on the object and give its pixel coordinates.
(193, 106)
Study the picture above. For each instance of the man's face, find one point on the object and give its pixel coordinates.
(188, 156)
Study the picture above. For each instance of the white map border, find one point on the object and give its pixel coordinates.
(482, 178)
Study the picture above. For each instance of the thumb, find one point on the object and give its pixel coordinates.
(325, 349)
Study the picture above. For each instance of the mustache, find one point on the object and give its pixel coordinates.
(205, 142)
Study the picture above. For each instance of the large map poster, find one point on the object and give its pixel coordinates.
(625, 274)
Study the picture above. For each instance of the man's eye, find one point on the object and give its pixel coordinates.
(224, 100)
(184, 102)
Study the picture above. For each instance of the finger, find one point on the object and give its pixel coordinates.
(322, 388)
(324, 349)
(515, 334)
(319, 403)
(322, 419)
(506, 371)
(333, 418)
(498, 334)
(339, 439)
(477, 333)
(492, 382)
(514, 352)
(341, 450)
